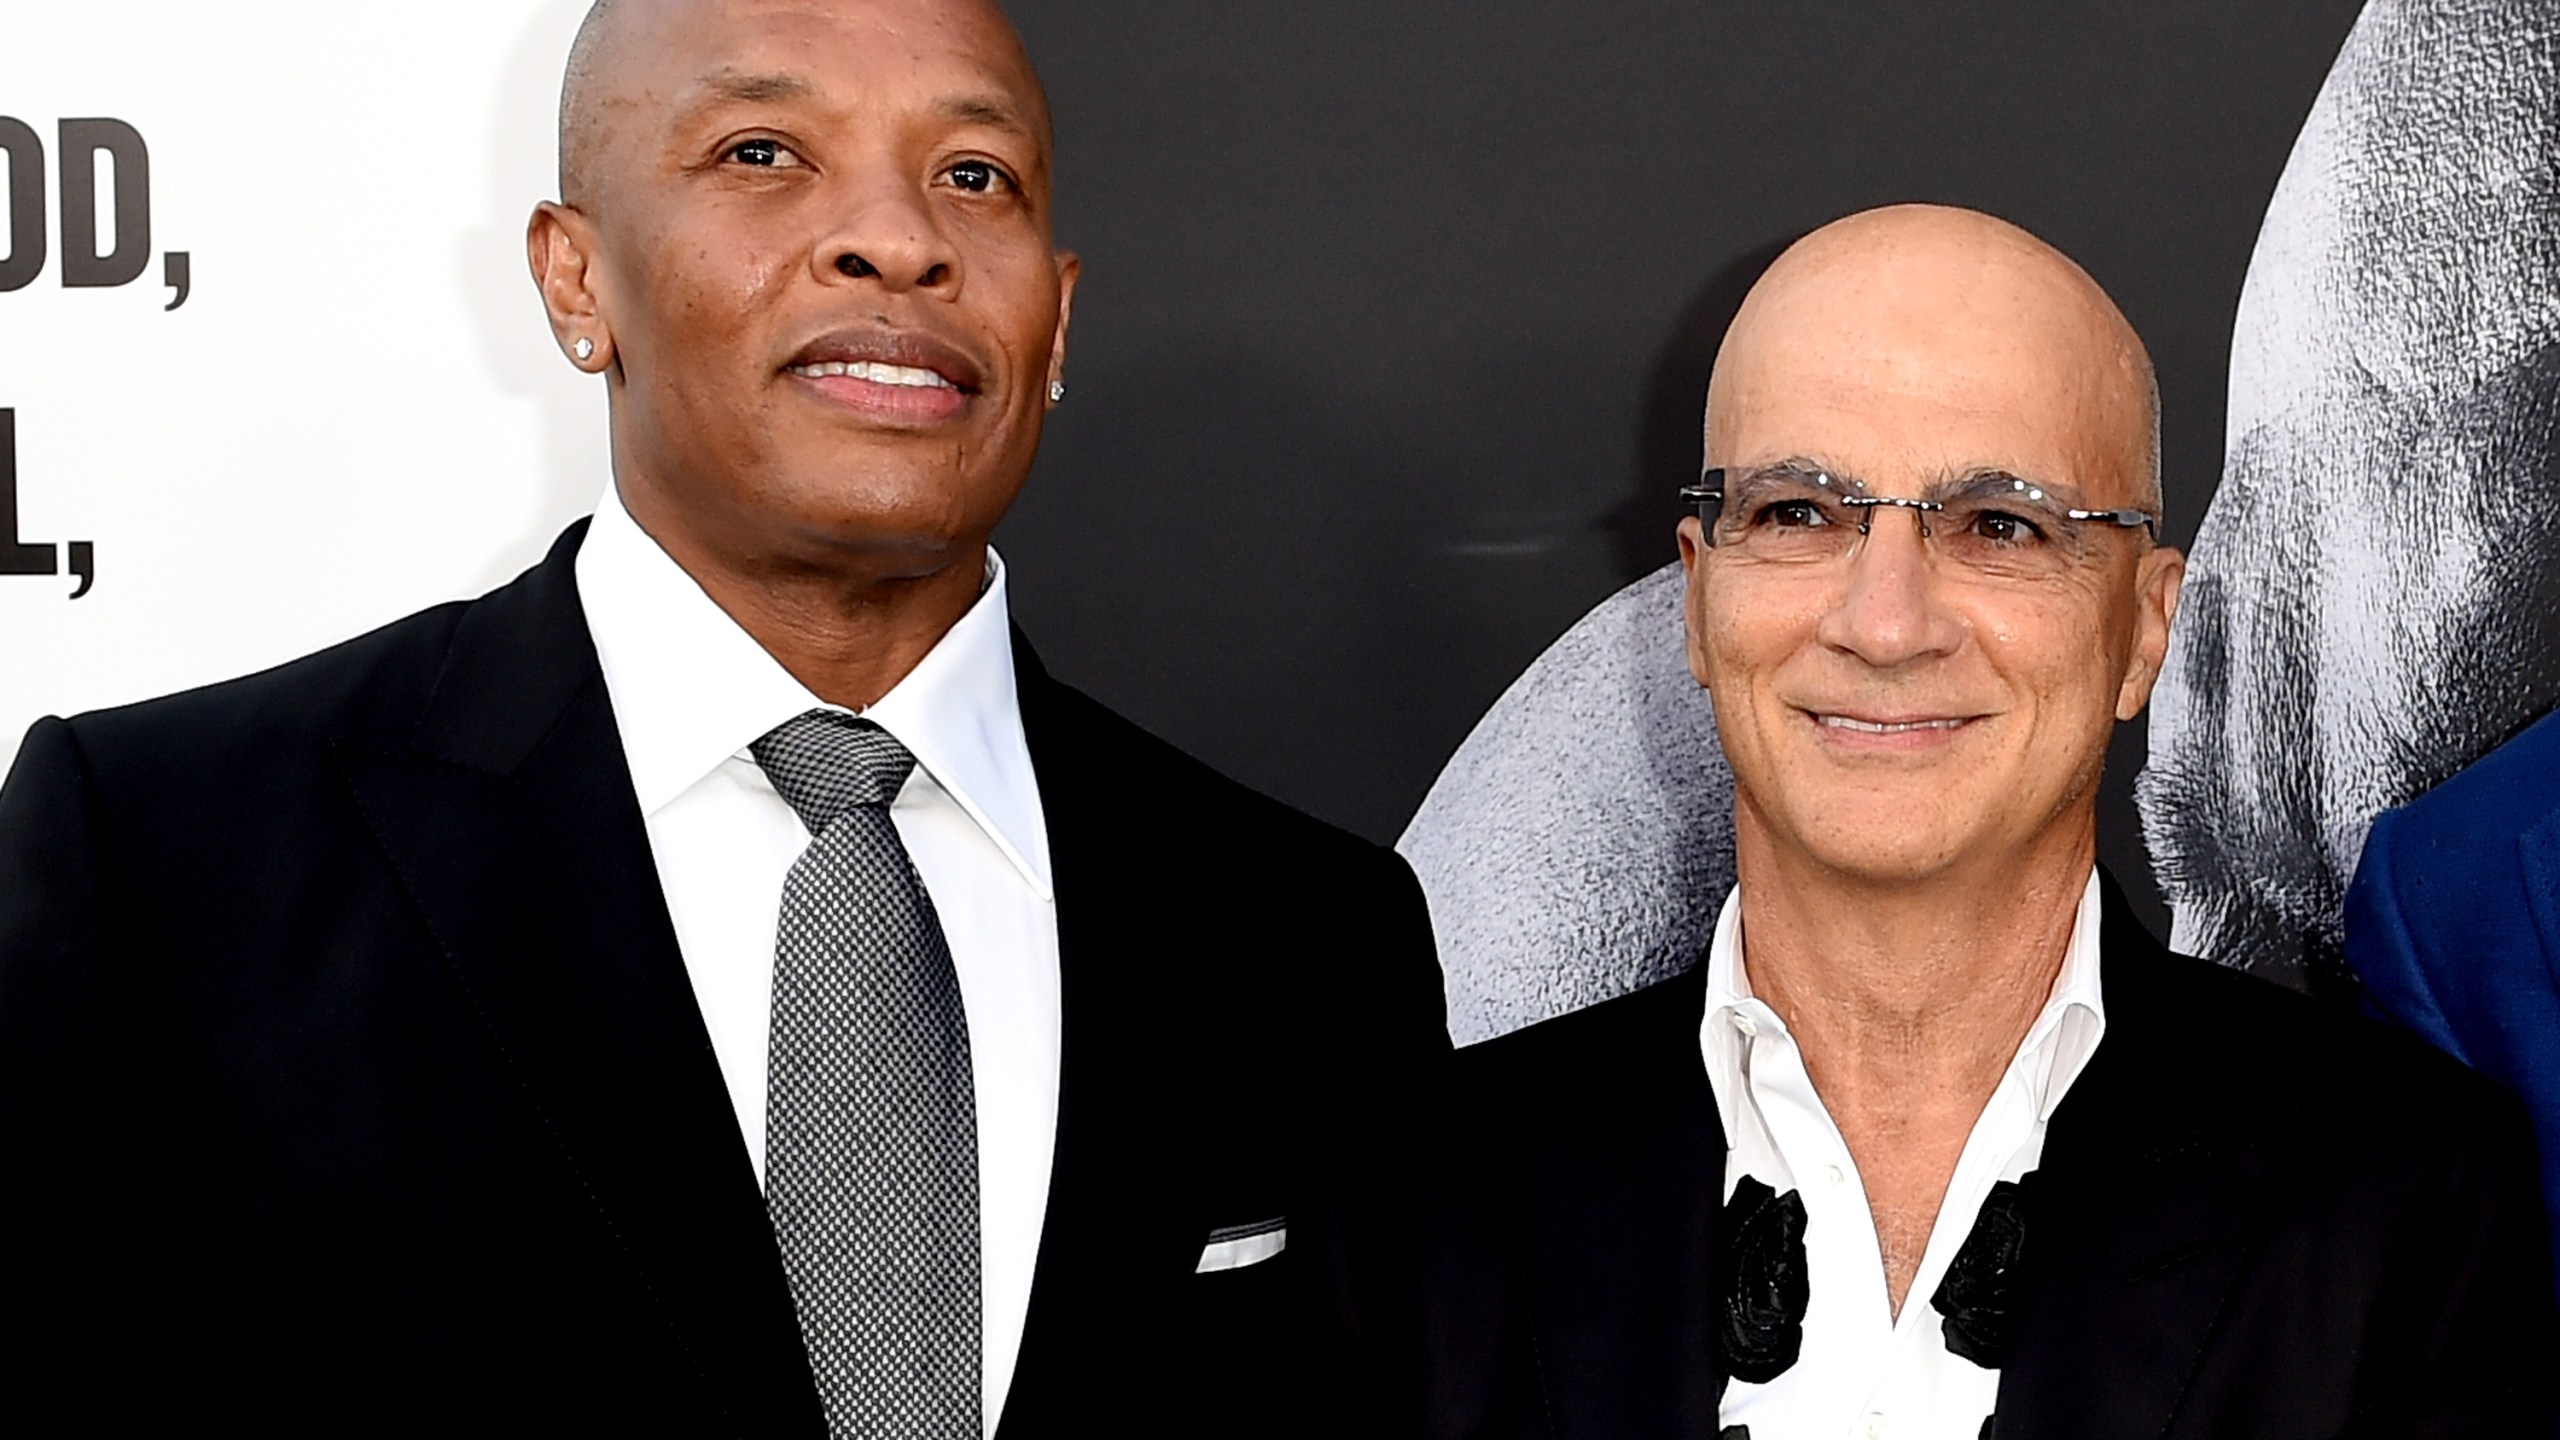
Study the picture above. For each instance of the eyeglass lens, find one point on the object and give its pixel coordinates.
(1997, 527)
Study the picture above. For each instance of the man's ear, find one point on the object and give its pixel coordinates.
(1070, 268)
(2157, 583)
(1693, 553)
(560, 247)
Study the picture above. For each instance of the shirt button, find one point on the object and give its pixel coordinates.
(1837, 1176)
(1875, 1427)
(1743, 1023)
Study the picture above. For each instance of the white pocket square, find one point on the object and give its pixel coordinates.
(1233, 1247)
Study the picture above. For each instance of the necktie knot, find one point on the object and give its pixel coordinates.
(825, 763)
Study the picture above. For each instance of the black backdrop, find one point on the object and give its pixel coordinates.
(1396, 317)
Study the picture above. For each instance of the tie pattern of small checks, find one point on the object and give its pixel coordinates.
(871, 1130)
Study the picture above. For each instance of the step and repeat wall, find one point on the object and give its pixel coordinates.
(271, 372)
(1388, 358)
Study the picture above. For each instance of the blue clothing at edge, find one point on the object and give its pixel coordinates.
(2453, 924)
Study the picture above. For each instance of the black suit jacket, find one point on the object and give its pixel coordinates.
(2256, 1219)
(351, 1080)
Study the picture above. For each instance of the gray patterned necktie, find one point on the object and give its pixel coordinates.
(871, 1129)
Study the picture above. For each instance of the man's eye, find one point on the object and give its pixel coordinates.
(758, 152)
(978, 177)
(1793, 515)
(2002, 528)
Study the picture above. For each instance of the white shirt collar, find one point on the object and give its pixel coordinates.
(2057, 1048)
(692, 690)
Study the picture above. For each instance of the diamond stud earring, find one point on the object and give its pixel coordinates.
(586, 349)
(1057, 391)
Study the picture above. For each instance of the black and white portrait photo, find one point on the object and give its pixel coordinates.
(2374, 597)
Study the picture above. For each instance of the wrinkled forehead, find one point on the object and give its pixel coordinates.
(1904, 397)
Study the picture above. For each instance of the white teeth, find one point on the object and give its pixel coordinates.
(877, 373)
(1843, 722)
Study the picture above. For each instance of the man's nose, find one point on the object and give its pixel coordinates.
(1890, 612)
(886, 232)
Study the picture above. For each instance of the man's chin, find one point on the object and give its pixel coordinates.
(878, 531)
(1874, 839)
(897, 501)
(882, 547)
(1888, 868)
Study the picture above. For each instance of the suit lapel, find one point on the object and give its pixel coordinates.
(2538, 851)
(510, 820)
(1621, 1174)
(1115, 1216)
(2148, 1215)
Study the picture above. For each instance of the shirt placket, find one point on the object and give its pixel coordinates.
(1847, 1325)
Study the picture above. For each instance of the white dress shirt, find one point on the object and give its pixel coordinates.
(1865, 1374)
(691, 691)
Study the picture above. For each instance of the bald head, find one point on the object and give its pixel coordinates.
(580, 82)
(1952, 308)
(622, 44)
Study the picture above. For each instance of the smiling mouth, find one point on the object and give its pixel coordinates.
(900, 380)
(877, 372)
(1888, 727)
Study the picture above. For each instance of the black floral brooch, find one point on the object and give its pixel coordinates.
(1761, 1273)
(1979, 1298)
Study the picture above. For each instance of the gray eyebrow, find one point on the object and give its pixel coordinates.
(1793, 467)
(1989, 480)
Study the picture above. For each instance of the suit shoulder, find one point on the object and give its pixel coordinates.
(1621, 1041)
(1168, 777)
(2307, 1061)
(1621, 1083)
(2502, 794)
(2438, 890)
(376, 679)
(372, 688)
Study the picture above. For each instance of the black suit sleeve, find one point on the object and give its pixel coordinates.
(53, 1002)
(1412, 1000)
(59, 1088)
(1392, 1031)
(2464, 1338)
(1418, 1240)
(2465, 1342)
(114, 1276)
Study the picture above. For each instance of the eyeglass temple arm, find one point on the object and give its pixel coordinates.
(2128, 519)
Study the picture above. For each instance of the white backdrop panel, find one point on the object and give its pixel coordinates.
(358, 410)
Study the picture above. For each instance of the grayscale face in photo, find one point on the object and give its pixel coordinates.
(1577, 845)
(2374, 597)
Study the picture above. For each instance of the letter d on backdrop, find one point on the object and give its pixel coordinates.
(23, 153)
(84, 143)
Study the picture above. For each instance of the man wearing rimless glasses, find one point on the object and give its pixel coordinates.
(1937, 1141)
(1988, 522)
